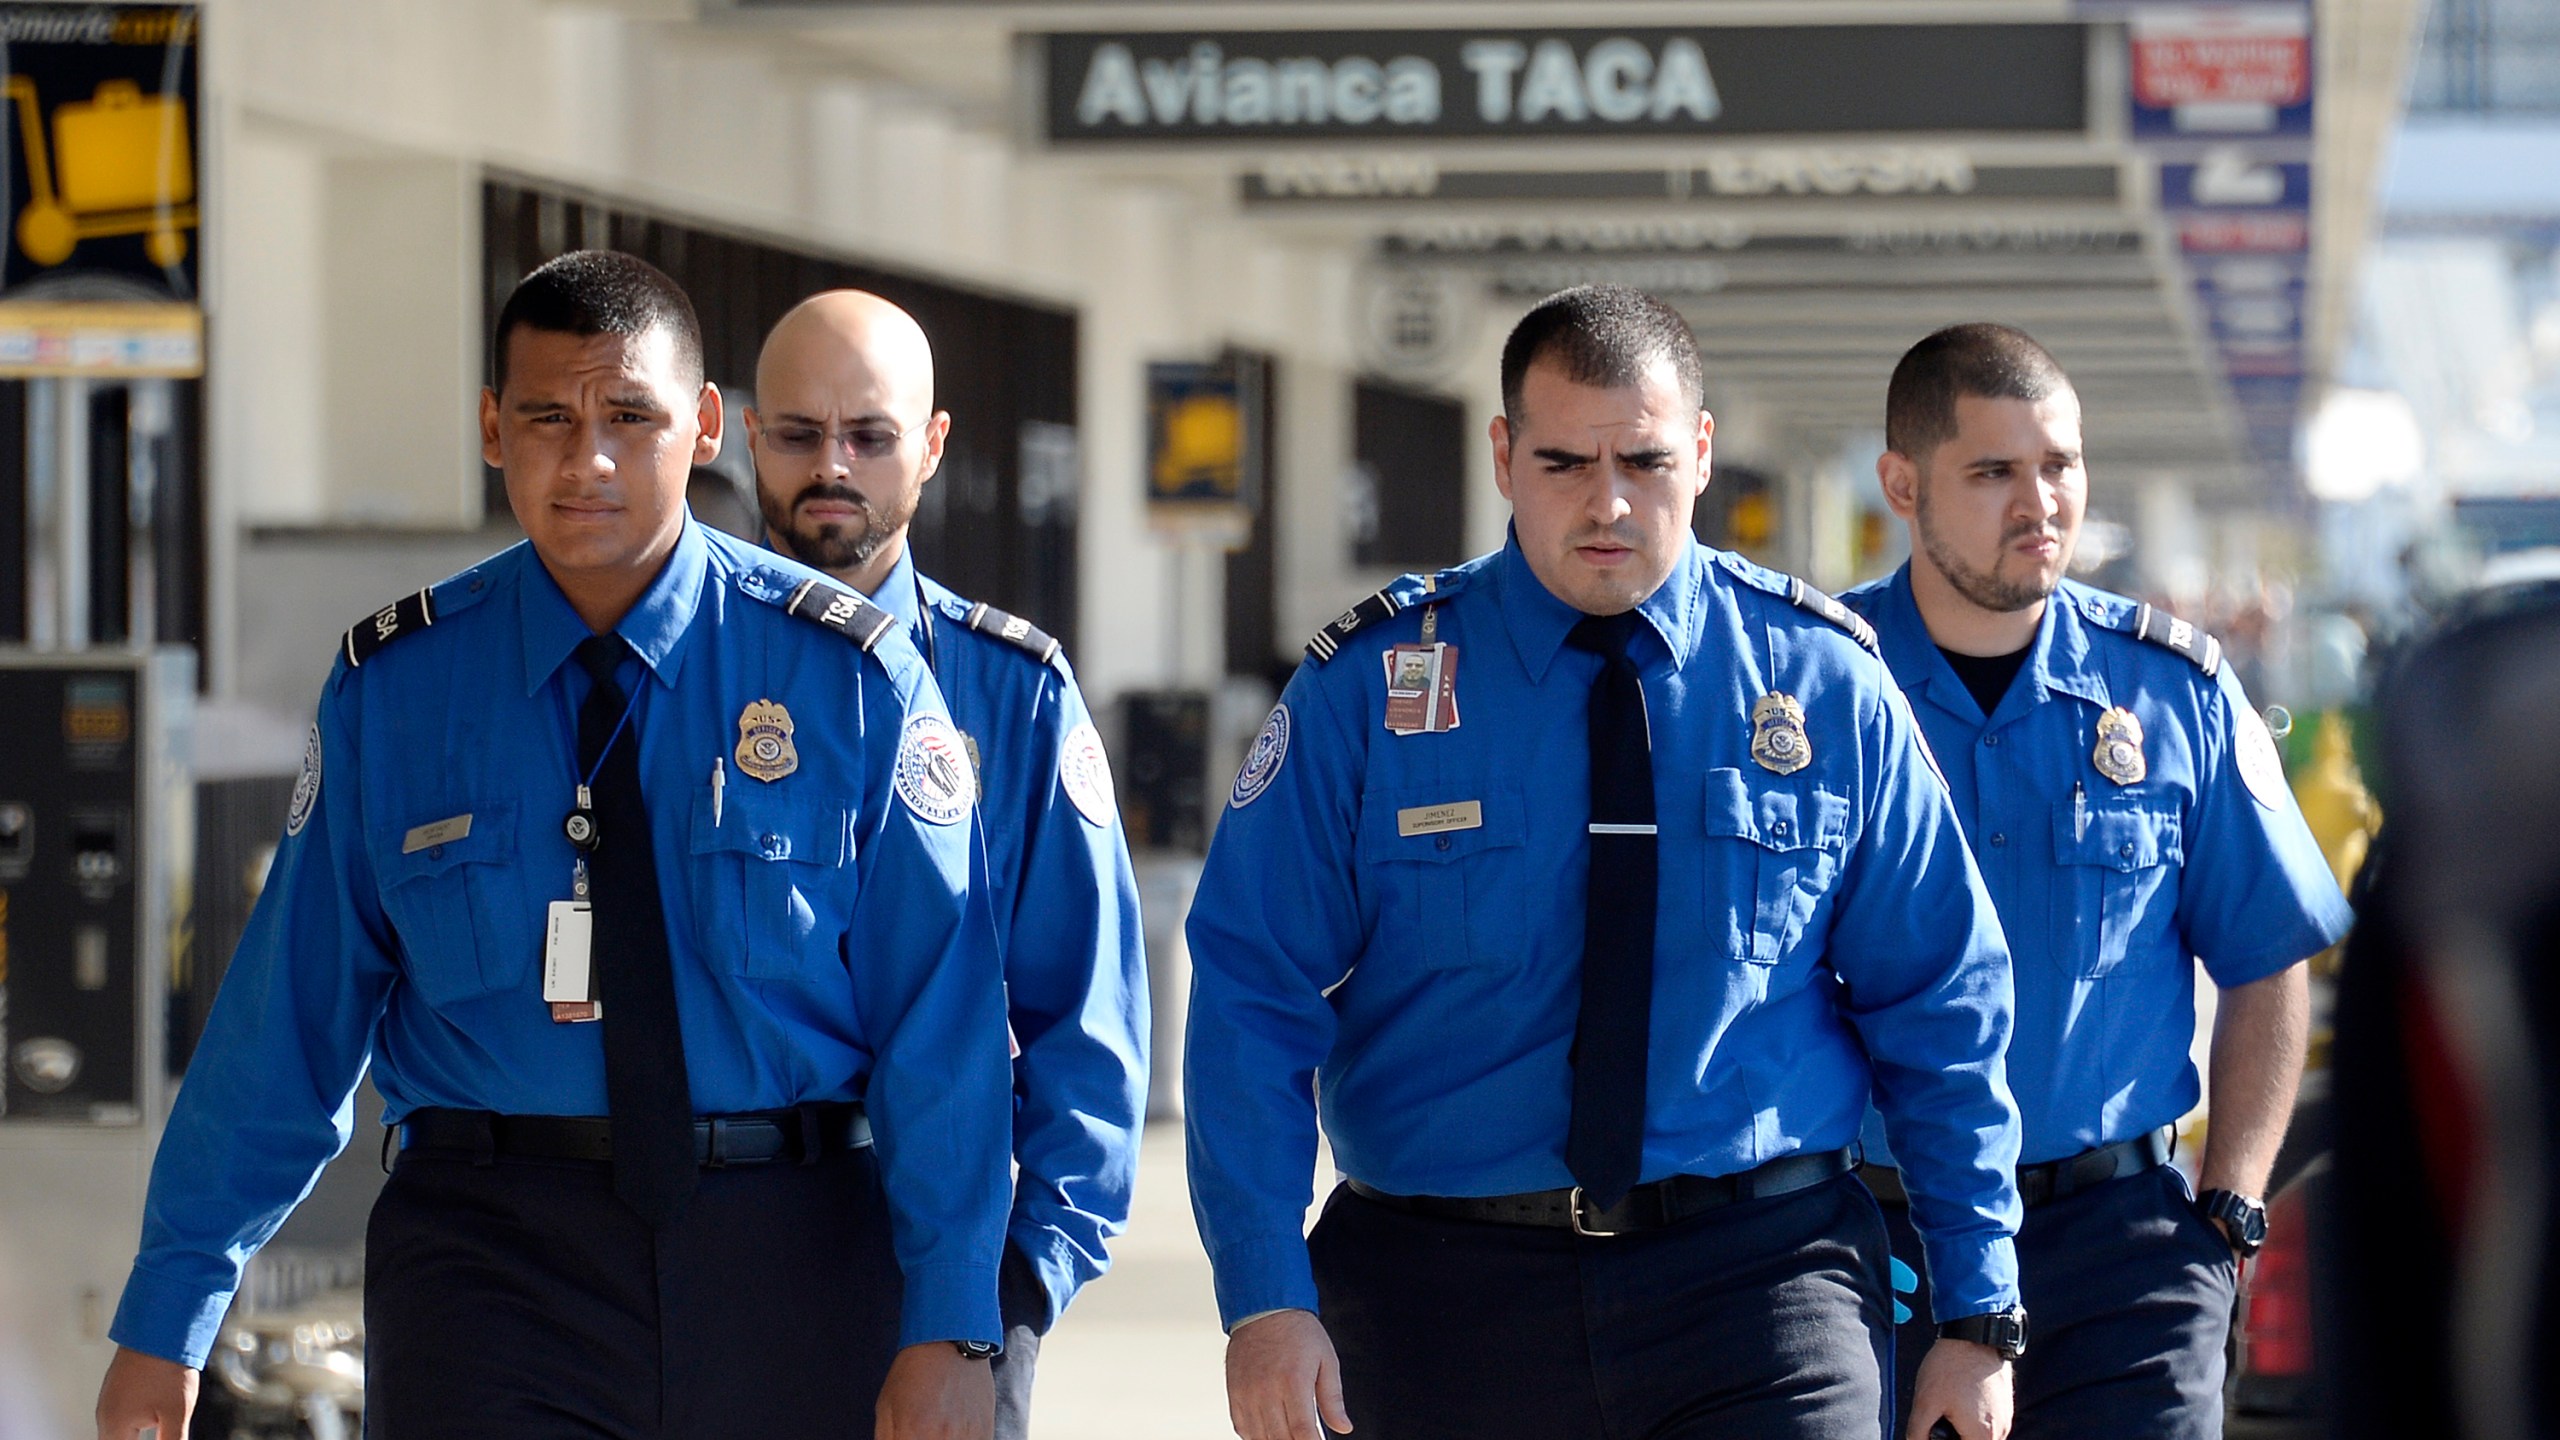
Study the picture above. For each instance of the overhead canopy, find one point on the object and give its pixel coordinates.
(2170, 196)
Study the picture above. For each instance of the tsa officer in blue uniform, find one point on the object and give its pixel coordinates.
(845, 435)
(2130, 812)
(1589, 890)
(636, 862)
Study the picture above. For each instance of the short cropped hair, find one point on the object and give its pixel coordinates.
(1988, 362)
(601, 292)
(1605, 335)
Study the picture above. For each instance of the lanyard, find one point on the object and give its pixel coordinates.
(580, 826)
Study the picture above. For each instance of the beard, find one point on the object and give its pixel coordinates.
(833, 544)
(1989, 588)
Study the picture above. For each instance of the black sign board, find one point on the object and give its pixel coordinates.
(1494, 83)
(100, 149)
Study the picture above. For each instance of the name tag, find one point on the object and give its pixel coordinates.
(443, 832)
(1433, 819)
(568, 972)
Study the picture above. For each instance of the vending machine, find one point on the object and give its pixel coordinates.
(96, 841)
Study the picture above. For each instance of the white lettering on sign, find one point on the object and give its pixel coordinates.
(1618, 80)
(1897, 170)
(1350, 176)
(1206, 88)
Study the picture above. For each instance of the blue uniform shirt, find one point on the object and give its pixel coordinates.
(2107, 889)
(1066, 920)
(1819, 934)
(827, 944)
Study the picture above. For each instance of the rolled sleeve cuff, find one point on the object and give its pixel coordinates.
(1055, 1260)
(1259, 1276)
(950, 1302)
(1970, 1276)
(173, 1319)
(2317, 933)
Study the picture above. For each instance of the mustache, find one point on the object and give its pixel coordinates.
(837, 494)
(2031, 528)
(1621, 535)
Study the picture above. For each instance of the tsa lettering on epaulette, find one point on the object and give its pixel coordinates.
(986, 619)
(1805, 597)
(1328, 641)
(409, 612)
(842, 611)
(2169, 632)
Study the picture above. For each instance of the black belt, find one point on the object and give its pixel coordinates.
(1646, 1207)
(2054, 1179)
(796, 1136)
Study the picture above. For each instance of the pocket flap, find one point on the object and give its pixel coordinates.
(769, 826)
(1446, 822)
(1774, 814)
(2116, 837)
(426, 845)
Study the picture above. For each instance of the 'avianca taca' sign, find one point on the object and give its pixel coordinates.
(1399, 85)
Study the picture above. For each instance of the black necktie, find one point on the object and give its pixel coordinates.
(1604, 1148)
(644, 1078)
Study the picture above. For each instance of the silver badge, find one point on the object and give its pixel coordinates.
(1778, 740)
(2118, 755)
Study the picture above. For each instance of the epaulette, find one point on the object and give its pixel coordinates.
(840, 610)
(2167, 631)
(1804, 597)
(1383, 605)
(986, 619)
(411, 613)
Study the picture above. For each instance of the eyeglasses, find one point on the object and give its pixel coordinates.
(870, 440)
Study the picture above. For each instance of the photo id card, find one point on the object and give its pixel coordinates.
(568, 970)
(1422, 688)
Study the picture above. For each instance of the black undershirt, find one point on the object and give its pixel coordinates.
(1987, 676)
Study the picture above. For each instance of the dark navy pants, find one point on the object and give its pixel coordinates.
(1764, 1318)
(520, 1298)
(1026, 1319)
(2128, 1293)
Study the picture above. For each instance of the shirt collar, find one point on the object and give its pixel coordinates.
(1539, 622)
(657, 627)
(2057, 660)
(902, 596)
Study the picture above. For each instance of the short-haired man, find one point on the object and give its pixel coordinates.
(845, 435)
(2130, 812)
(1592, 947)
(640, 875)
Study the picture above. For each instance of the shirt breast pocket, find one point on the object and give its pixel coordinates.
(773, 883)
(2115, 864)
(458, 904)
(1773, 853)
(1453, 893)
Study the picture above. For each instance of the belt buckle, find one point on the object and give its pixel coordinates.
(1573, 1204)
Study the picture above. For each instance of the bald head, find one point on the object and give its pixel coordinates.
(838, 344)
(844, 433)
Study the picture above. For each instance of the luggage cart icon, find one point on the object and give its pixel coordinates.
(126, 169)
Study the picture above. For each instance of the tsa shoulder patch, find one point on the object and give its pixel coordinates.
(1262, 762)
(933, 770)
(1085, 771)
(400, 617)
(306, 786)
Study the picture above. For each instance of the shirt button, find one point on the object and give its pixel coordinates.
(1990, 739)
(435, 852)
(2000, 839)
(1779, 828)
(772, 844)
(2127, 851)
(1441, 844)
